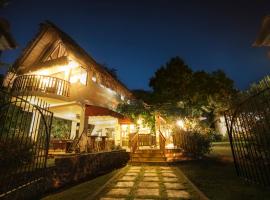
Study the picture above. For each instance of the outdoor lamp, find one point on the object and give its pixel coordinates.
(180, 123)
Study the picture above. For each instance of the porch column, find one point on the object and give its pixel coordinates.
(83, 130)
(34, 127)
(73, 129)
(117, 135)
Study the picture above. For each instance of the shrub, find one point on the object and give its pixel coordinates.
(215, 136)
(193, 143)
(15, 152)
(116, 147)
(61, 128)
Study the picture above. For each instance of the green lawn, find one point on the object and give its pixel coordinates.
(215, 176)
(83, 190)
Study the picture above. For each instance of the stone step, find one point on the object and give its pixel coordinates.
(149, 151)
(146, 155)
(149, 159)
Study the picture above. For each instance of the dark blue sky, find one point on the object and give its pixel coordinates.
(137, 37)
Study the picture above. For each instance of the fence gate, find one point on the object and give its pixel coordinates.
(25, 125)
(248, 126)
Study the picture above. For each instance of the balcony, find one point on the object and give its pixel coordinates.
(41, 84)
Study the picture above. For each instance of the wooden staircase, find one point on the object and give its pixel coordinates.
(150, 155)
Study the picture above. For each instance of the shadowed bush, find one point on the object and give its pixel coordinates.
(15, 152)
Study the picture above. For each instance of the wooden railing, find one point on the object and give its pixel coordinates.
(134, 143)
(146, 140)
(162, 141)
(38, 83)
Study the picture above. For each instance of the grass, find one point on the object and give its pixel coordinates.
(83, 190)
(215, 176)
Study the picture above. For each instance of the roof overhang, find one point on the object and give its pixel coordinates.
(91, 110)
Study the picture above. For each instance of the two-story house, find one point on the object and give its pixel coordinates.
(56, 69)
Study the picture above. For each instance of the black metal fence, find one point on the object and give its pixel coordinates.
(248, 125)
(25, 124)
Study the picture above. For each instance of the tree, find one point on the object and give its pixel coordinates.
(199, 93)
(143, 95)
(139, 110)
(112, 71)
(170, 82)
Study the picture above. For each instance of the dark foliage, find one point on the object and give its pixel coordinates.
(176, 82)
(13, 154)
(143, 95)
(170, 82)
(61, 128)
(112, 71)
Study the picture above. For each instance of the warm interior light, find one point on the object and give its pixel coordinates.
(170, 146)
(102, 86)
(139, 121)
(111, 91)
(124, 126)
(180, 123)
(78, 74)
(72, 64)
(75, 78)
(43, 72)
(94, 79)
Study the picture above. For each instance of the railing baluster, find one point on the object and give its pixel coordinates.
(37, 83)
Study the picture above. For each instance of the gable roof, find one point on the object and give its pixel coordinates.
(52, 33)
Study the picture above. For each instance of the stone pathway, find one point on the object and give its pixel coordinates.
(147, 183)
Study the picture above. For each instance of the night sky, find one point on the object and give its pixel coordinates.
(137, 37)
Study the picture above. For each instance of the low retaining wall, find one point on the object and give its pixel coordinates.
(80, 167)
(69, 170)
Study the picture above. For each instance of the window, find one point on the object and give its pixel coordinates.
(78, 74)
(94, 77)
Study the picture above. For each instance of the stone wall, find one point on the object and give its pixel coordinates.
(77, 168)
(70, 170)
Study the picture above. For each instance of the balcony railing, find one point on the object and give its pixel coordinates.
(44, 84)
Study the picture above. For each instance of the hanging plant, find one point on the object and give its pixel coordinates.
(138, 110)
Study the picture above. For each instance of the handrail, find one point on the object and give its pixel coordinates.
(145, 139)
(162, 141)
(75, 142)
(134, 143)
(40, 83)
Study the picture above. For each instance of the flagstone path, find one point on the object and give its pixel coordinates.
(148, 183)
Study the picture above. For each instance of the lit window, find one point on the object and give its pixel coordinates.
(102, 86)
(111, 91)
(94, 79)
(122, 98)
(78, 74)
